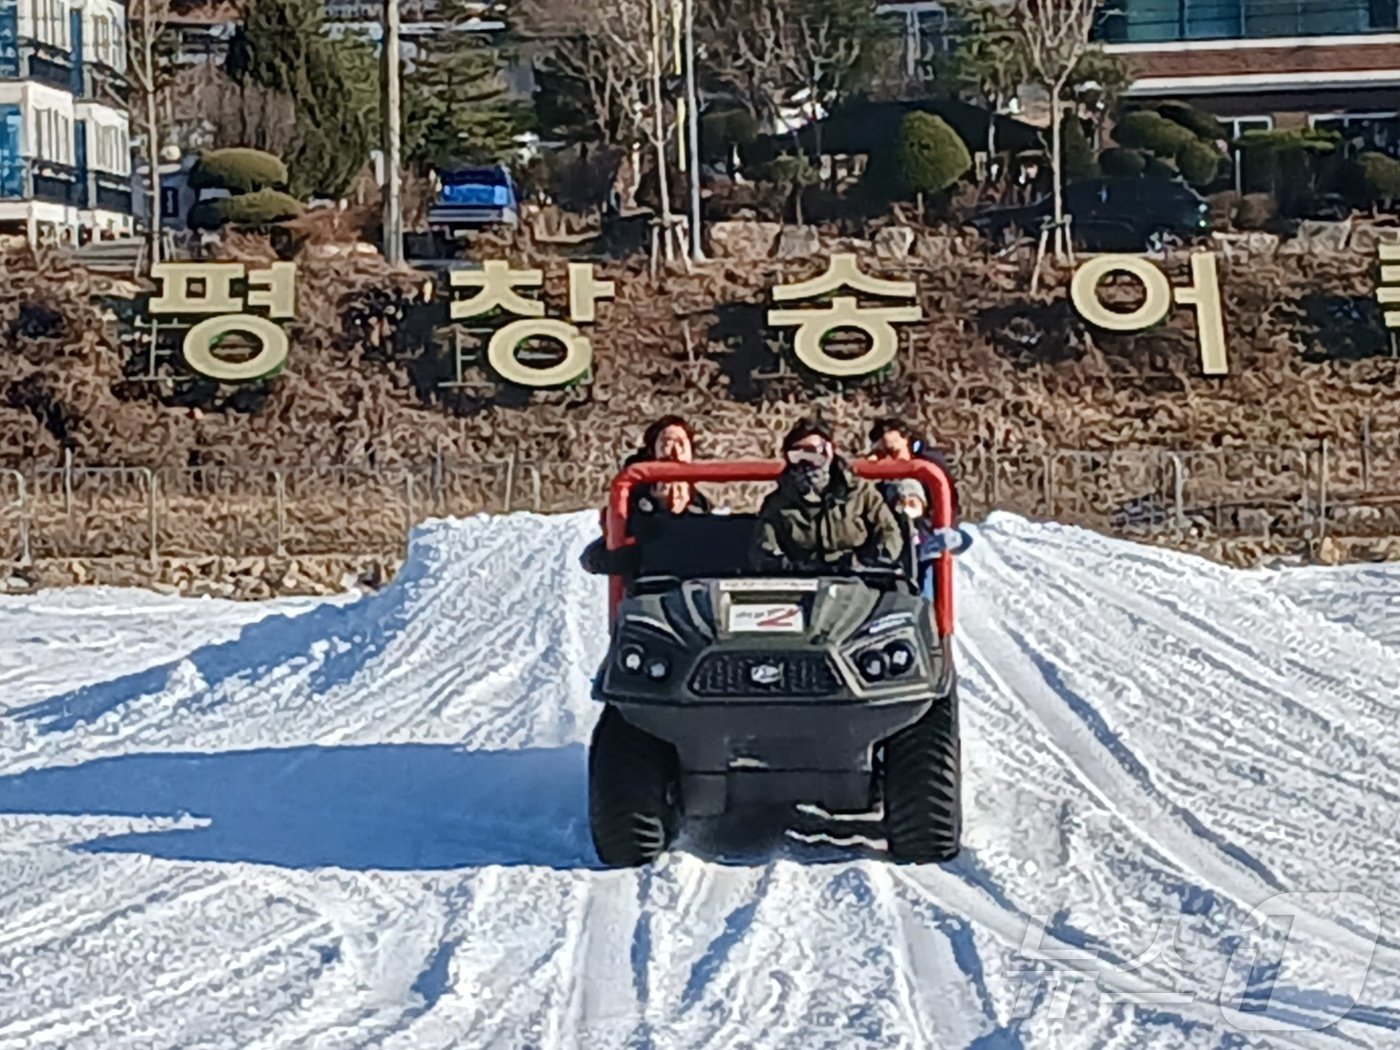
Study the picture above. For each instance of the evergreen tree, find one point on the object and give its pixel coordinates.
(931, 156)
(455, 106)
(281, 45)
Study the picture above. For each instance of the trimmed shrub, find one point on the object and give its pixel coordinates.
(1380, 175)
(250, 209)
(1199, 163)
(1200, 123)
(1153, 133)
(238, 170)
(931, 155)
(1123, 162)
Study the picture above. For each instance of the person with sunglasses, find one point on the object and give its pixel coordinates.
(822, 515)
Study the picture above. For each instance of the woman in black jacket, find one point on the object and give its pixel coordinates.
(668, 438)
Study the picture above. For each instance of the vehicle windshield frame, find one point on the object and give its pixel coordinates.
(937, 482)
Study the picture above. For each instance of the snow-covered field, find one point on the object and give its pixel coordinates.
(362, 822)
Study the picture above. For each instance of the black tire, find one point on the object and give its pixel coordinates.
(632, 792)
(922, 780)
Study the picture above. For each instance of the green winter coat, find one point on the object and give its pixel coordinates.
(850, 518)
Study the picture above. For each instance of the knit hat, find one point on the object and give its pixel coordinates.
(908, 488)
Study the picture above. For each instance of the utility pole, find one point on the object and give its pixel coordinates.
(393, 189)
(692, 108)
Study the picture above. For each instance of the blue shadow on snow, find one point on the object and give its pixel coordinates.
(354, 633)
(382, 806)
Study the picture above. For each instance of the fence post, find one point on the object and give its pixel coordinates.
(438, 481)
(408, 497)
(510, 483)
(26, 556)
(152, 518)
(536, 486)
(1178, 493)
(68, 482)
(279, 485)
(1050, 485)
(994, 472)
(1305, 457)
(1366, 454)
(1322, 489)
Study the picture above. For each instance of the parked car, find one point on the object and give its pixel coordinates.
(1109, 215)
(472, 197)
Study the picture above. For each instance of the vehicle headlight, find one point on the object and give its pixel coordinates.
(658, 669)
(873, 665)
(900, 657)
(631, 658)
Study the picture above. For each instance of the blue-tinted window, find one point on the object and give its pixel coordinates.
(9, 38)
(11, 156)
(1148, 21)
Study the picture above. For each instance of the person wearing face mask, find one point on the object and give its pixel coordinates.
(893, 438)
(822, 515)
(668, 438)
(908, 499)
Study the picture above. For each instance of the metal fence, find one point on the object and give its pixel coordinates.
(94, 513)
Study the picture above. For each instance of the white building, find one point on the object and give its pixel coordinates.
(65, 156)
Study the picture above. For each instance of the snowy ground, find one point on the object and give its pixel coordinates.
(362, 823)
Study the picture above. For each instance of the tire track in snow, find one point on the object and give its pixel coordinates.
(945, 891)
(1122, 783)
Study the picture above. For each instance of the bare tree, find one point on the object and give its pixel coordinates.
(1054, 37)
(616, 50)
(150, 68)
(989, 63)
(768, 52)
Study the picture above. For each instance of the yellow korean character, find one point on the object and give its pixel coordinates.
(1203, 294)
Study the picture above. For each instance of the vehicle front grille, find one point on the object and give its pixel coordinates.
(782, 674)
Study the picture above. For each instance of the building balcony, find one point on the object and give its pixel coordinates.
(47, 64)
(104, 84)
(111, 192)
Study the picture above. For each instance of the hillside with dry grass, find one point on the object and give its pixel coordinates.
(1310, 358)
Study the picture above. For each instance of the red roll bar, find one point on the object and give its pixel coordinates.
(932, 477)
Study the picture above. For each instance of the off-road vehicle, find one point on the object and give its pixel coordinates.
(725, 688)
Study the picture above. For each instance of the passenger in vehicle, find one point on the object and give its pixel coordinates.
(894, 438)
(910, 501)
(822, 515)
(668, 438)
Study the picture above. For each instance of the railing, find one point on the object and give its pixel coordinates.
(1303, 493)
(113, 192)
(28, 178)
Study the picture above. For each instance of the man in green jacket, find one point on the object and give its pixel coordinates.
(822, 514)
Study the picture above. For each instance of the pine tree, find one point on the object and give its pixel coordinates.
(281, 45)
(456, 110)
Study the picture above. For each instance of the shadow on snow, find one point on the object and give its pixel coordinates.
(340, 638)
(384, 806)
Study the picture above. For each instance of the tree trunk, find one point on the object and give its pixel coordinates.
(1061, 245)
(153, 245)
(992, 133)
(659, 129)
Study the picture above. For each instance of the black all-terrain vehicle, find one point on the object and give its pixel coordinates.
(725, 688)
